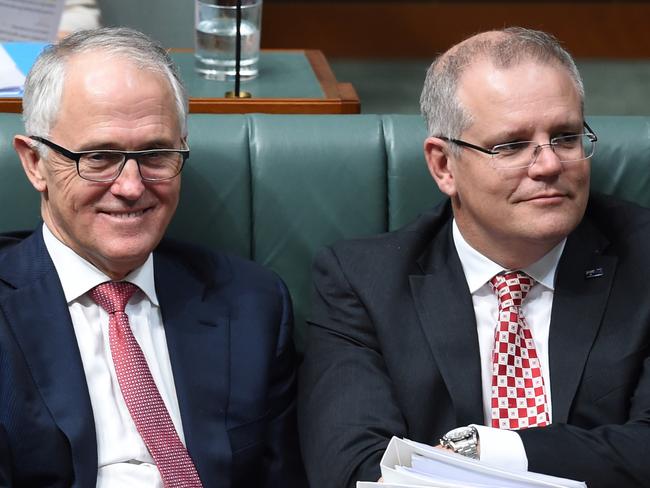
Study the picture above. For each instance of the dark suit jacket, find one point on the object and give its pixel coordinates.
(228, 328)
(393, 350)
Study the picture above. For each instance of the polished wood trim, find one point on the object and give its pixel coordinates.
(11, 105)
(346, 103)
(358, 29)
(343, 93)
(273, 106)
(323, 73)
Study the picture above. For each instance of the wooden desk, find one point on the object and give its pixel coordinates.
(290, 82)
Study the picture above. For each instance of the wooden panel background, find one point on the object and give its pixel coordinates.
(411, 29)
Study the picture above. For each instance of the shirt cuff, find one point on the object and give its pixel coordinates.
(501, 448)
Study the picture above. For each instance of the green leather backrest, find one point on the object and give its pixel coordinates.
(19, 202)
(276, 188)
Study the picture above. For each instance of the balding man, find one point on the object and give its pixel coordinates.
(512, 322)
(127, 359)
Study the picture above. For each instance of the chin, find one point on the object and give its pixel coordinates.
(554, 232)
(124, 253)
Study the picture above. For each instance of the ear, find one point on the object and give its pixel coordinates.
(31, 161)
(435, 152)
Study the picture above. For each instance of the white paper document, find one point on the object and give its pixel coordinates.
(409, 464)
(11, 78)
(30, 20)
(368, 484)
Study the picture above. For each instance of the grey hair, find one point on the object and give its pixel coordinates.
(44, 83)
(443, 112)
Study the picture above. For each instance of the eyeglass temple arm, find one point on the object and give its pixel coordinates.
(591, 131)
(468, 144)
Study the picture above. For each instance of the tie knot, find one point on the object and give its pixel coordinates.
(113, 296)
(511, 288)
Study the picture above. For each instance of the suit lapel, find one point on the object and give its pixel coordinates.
(197, 327)
(583, 282)
(446, 312)
(38, 315)
(445, 309)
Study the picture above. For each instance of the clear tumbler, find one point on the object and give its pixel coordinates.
(215, 40)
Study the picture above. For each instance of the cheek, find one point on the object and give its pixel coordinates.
(61, 178)
(584, 178)
(576, 180)
(67, 193)
(486, 188)
(168, 194)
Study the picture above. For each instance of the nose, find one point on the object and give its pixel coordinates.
(545, 162)
(129, 183)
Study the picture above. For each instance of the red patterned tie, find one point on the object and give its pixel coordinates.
(518, 394)
(140, 393)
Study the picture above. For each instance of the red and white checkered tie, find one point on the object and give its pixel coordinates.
(518, 392)
(140, 393)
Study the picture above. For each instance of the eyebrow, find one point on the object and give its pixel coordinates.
(109, 146)
(519, 134)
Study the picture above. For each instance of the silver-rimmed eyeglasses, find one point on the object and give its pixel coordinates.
(523, 154)
(104, 166)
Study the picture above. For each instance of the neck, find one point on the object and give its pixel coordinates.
(509, 253)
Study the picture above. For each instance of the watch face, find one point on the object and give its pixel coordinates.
(459, 433)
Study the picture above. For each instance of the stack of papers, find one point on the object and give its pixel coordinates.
(409, 464)
(16, 59)
(30, 20)
(11, 78)
(25, 27)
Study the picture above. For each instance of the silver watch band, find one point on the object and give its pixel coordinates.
(462, 440)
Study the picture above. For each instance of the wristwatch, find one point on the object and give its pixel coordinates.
(463, 440)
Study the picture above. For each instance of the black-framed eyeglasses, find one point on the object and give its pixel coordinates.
(104, 166)
(523, 154)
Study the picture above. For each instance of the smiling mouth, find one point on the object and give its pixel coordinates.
(549, 193)
(546, 198)
(126, 215)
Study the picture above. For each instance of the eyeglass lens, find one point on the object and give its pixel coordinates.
(153, 165)
(523, 154)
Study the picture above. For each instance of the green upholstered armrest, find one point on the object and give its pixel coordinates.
(276, 188)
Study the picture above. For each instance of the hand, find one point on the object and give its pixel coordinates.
(443, 448)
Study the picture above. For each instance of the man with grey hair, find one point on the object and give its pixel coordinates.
(509, 324)
(127, 359)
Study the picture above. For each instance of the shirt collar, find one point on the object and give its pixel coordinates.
(78, 276)
(479, 269)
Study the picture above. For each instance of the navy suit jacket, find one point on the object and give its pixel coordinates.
(228, 327)
(393, 350)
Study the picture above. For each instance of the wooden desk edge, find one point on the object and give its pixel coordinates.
(340, 98)
(274, 106)
(11, 105)
(344, 105)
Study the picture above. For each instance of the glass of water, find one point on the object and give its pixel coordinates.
(216, 31)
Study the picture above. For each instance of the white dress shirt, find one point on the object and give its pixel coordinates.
(504, 447)
(123, 458)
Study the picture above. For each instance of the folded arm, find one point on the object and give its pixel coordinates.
(347, 409)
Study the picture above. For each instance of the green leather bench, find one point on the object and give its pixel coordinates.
(276, 188)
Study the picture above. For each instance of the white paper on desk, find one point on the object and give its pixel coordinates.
(11, 78)
(375, 484)
(453, 470)
(30, 20)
